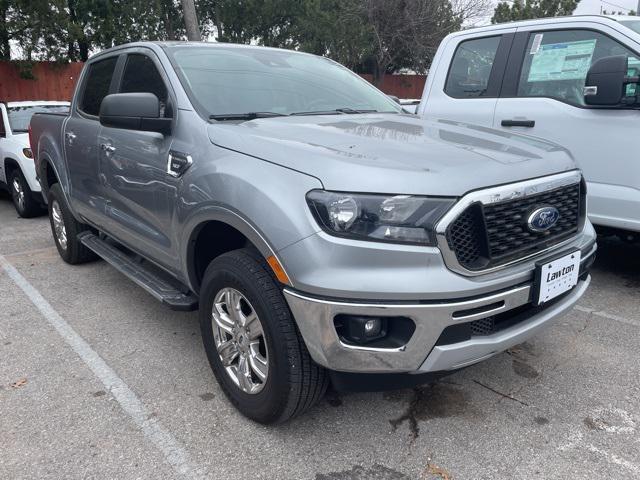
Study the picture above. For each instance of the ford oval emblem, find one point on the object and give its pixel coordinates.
(543, 219)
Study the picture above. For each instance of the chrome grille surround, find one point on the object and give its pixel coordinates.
(501, 194)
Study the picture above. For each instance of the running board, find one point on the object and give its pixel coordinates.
(152, 282)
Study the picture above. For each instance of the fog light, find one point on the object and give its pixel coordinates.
(372, 327)
(358, 330)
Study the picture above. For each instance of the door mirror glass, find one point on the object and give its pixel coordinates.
(606, 81)
(134, 111)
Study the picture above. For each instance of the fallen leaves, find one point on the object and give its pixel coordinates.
(19, 383)
(438, 471)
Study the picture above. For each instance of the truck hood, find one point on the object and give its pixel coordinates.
(392, 153)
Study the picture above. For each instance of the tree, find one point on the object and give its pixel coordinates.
(191, 20)
(526, 9)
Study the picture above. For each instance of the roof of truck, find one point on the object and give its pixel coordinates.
(547, 20)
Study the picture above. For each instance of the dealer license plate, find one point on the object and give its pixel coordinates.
(557, 277)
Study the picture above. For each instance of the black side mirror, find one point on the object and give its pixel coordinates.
(606, 82)
(134, 111)
(394, 98)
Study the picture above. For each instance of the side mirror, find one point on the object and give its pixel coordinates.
(394, 98)
(606, 81)
(134, 111)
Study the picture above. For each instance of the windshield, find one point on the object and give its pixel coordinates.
(19, 117)
(234, 80)
(632, 24)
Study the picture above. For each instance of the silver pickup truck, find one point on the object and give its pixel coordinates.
(324, 235)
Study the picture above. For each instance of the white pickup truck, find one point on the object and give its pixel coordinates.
(572, 80)
(17, 169)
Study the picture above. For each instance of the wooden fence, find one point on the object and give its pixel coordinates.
(53, 81)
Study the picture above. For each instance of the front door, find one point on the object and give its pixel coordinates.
(546, 100)
(134, 165)
(465, 78)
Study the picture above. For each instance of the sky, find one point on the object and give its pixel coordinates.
(593, 6)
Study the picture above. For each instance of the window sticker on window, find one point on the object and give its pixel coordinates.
(537, 41)
(562, 61)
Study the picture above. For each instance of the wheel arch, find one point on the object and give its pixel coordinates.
(215, 231)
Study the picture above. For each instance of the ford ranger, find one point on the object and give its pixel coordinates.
(323, 234)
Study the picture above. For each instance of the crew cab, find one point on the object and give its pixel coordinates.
(324, 234)
(546, 78)
(17, 170)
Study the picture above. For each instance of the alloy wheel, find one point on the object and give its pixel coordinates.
(58, 224)
(240, 341)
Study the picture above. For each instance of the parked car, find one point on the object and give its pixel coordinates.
(324, 234)
(531, 76)
(17, 170)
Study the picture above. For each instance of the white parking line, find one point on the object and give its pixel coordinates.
(172, 450)
(608, 316)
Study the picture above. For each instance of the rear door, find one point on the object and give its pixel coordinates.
(543, 95)
(465, 77)
(86, 187)
(133, 163)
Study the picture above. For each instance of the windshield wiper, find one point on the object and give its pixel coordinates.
(245, 116)
(339, 111)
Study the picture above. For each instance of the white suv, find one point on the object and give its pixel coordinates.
(17, 170)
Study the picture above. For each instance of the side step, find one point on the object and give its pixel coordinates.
(152, 282)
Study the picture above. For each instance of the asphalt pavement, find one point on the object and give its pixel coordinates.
(99, 380)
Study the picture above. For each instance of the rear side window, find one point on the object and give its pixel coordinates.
(97, 85)
(556, 63)
(142, 76)
(471, 68)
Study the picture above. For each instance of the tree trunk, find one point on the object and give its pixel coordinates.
(378, 73)
(191, 21)
(5, 47)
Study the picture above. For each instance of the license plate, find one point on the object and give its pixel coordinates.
(556, 277)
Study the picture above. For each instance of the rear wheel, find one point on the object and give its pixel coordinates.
(24, 200)
(65, 229)
(252, 342)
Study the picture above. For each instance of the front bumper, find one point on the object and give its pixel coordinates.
(423, 353)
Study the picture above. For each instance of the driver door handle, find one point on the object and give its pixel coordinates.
(518, 123)
(107, 147)
(70, 137)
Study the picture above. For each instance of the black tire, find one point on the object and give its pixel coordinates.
(24, 200)
(294, 382)
(73, 252)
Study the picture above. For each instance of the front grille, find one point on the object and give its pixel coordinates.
(485, 236)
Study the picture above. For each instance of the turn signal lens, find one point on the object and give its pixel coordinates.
(27, 152)
(278, 270)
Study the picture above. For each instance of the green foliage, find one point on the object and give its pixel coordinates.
(371, 36)
(527, 9)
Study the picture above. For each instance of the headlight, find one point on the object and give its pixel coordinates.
(383, 218)
(27, 152)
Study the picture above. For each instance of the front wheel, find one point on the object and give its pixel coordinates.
(252, 342)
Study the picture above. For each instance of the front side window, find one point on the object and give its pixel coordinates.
(97, 85)
(471, 68)
(141, 76)
(225, 80)
(20, 117)
(556, 63)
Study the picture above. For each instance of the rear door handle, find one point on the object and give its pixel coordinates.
(519, 123)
